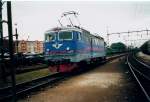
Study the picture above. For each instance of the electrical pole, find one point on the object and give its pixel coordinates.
(1, 44)
(107, 37)
(11, 50)
(147, 31)
(16, 39)
(1, 30)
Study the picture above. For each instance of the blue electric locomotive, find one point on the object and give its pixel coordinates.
(66, 48)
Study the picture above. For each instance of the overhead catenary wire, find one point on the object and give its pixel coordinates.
(128, 33)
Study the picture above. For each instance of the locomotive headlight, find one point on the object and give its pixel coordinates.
(47, 50)
(68, 48)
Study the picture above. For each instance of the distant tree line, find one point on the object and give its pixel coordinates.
(118, 47)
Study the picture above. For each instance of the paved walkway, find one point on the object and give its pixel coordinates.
(107, 83)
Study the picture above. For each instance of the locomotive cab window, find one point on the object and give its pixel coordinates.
(65, 36)
(49, 37)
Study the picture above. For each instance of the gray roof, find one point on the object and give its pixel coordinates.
(71, 28)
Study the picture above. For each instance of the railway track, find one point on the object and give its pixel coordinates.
(141, 73)
(27, 87)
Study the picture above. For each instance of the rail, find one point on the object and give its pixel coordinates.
(25, 87)
(137, 73)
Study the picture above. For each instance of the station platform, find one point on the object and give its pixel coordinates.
(144, 57)
(110, 82)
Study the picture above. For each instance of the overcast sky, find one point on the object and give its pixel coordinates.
(34, 18)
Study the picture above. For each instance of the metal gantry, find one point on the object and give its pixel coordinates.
(128, 34)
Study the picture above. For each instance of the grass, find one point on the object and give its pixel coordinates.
(24, 77)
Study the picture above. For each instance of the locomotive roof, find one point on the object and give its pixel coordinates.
(75, 28)
(64, 28)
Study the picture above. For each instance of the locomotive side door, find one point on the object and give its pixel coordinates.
(91, 47)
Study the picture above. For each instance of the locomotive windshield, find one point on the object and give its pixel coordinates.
(50, 37)
(65, 36)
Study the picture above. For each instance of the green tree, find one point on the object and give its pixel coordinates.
(118, 47)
